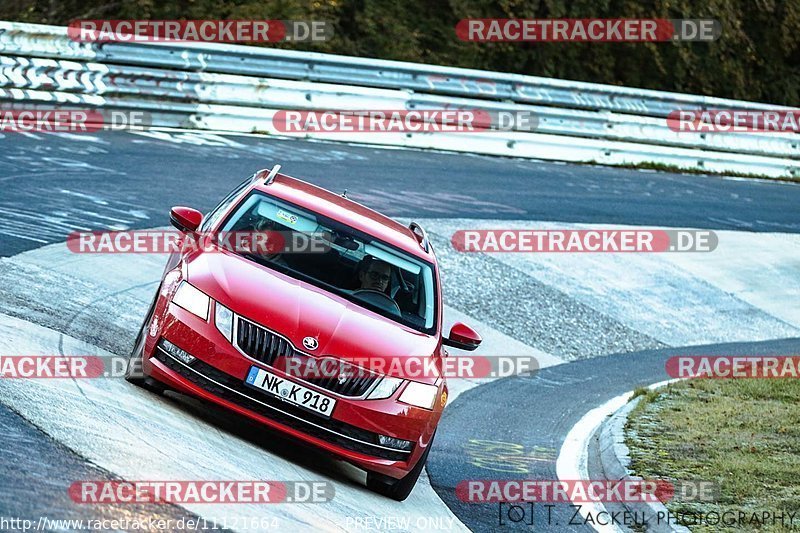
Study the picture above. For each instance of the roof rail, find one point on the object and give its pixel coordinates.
(272, 174)
(424, 242)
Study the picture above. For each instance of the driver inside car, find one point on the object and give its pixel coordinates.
(374, 274)
(268, 226)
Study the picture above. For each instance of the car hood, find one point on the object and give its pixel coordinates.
(297, 309)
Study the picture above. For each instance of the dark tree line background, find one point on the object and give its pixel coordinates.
(757, 57)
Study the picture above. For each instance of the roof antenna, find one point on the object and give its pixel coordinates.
(344, 194)
(272, 174)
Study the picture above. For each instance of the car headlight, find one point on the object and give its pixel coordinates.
(223, 318)
(192, 299)
(419, 394)
(385, 388)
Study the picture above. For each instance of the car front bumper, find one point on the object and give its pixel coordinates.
(218, 375)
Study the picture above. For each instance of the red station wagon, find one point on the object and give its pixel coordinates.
(224, 323)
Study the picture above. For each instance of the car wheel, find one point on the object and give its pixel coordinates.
(133, 372)
(398, 489)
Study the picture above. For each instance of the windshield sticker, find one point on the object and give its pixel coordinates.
(287, 217)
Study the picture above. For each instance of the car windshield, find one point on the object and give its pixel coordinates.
(340, 259)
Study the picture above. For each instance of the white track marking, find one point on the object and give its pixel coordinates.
(573, 456)
(143, 423)
(745, 290)
(140, 436)
(494, 343)
(761, 269)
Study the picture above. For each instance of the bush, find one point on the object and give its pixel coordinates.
(757, 57)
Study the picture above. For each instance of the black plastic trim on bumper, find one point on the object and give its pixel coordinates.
(235, 391)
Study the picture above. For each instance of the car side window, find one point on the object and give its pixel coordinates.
(217, 212)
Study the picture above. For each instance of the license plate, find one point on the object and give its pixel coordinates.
(290, 392)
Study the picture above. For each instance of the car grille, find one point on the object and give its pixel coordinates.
(261, 344)
(235, 391)
(266, 347)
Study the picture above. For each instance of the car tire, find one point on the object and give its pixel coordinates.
(398, 489)
(133, 372)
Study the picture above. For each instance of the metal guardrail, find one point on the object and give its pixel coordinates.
(239, 88)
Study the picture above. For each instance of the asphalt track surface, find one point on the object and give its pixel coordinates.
(536, 412)
(50, 187)
(36, 469)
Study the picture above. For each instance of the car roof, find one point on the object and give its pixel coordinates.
(346, 211)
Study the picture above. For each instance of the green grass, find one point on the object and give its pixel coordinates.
(742, 434)
(648, 394)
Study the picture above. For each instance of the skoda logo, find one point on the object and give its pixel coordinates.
(310, 343)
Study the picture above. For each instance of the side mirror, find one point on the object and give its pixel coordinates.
(462, 337)
(185, 219)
